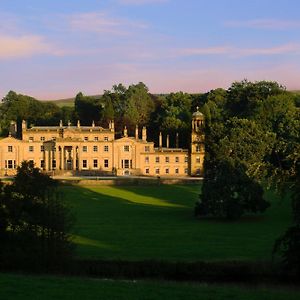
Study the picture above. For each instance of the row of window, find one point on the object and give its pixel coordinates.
(85, 163)
(158, 171)
(86, 138)
(167, 159)
(84, 148)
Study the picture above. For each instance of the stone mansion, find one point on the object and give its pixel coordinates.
(94, 150)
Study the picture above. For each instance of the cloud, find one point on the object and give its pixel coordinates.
(141, 2)
(265, 24)
(24, 46)
(240, 52)
(100, 22)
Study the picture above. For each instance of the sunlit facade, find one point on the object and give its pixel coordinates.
(93, 150)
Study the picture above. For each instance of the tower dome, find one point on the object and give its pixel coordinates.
(197, 114)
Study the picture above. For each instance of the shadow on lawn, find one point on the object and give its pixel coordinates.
(175, 196)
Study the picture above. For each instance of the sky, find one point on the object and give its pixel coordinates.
(53, 49)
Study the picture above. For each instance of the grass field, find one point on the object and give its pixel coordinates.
(43, 288)
(156, 222)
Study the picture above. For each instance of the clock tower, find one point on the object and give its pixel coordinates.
(197, 144)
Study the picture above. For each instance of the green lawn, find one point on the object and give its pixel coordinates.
(156, 222)
(14, 287)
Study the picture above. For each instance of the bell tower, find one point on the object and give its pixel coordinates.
(197, 144)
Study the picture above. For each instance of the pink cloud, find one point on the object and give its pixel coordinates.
(235, 51)
(23, 46)
(265, 24)
(100, 22)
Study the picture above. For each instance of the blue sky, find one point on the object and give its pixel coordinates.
(53, 49)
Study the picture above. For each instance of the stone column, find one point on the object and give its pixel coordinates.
(78, 157)
(60, 157)
(73, 157)
(46, 159)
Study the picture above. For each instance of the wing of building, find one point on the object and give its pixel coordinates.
(94, 150)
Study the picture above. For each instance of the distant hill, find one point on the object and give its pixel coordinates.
(67, 101)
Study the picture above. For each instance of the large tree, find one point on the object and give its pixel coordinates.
(35, 222)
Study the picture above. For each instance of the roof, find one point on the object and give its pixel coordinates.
(198, 114)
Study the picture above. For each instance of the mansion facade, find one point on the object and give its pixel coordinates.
(93, 150)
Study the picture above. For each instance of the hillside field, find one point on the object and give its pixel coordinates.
(157, 222)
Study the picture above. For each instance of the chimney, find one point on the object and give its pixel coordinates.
(125, 132)
(93, 124)
(144, 134)
(112, 125)
(136, 132)
(78, 124)
(24, 125)
(60, 123)
(177, 140)
(160, 140)
(13, 128)
(168, 142)
(69, 123)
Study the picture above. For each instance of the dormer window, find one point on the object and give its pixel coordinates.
(106, 139)
(86, 138)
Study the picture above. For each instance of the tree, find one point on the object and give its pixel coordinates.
(231, 166)
(88, 109)
(35, 222)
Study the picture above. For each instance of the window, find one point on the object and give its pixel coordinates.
(42, 148)
(53, 138)
(106, 138)
(53, 148)
(31, 139)
(42, 164)
(167, 171)
(95, 163)
(84, 148)
(157, 171)
(53, 164)
(96, 139)
(157, 159)
(31, 149)
(105, 148)
(147, 148)
(42, 138)
(198, 148)
(126, 148)
(105, 163)
(95, 148)
(198, 171)
(147, 159)
(186, 170)
(147, 171)
(84, 164)
(186, 159)
(177, 159)
(126, 163)
(197, 159)
(176, 171)
(86, 138)
(167, 159)
(10, 164)
(10, 148)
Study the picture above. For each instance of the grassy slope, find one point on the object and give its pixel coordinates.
(43, 288)
(157, 223)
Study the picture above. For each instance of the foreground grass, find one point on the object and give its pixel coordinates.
(156, 222)
(45, 287)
